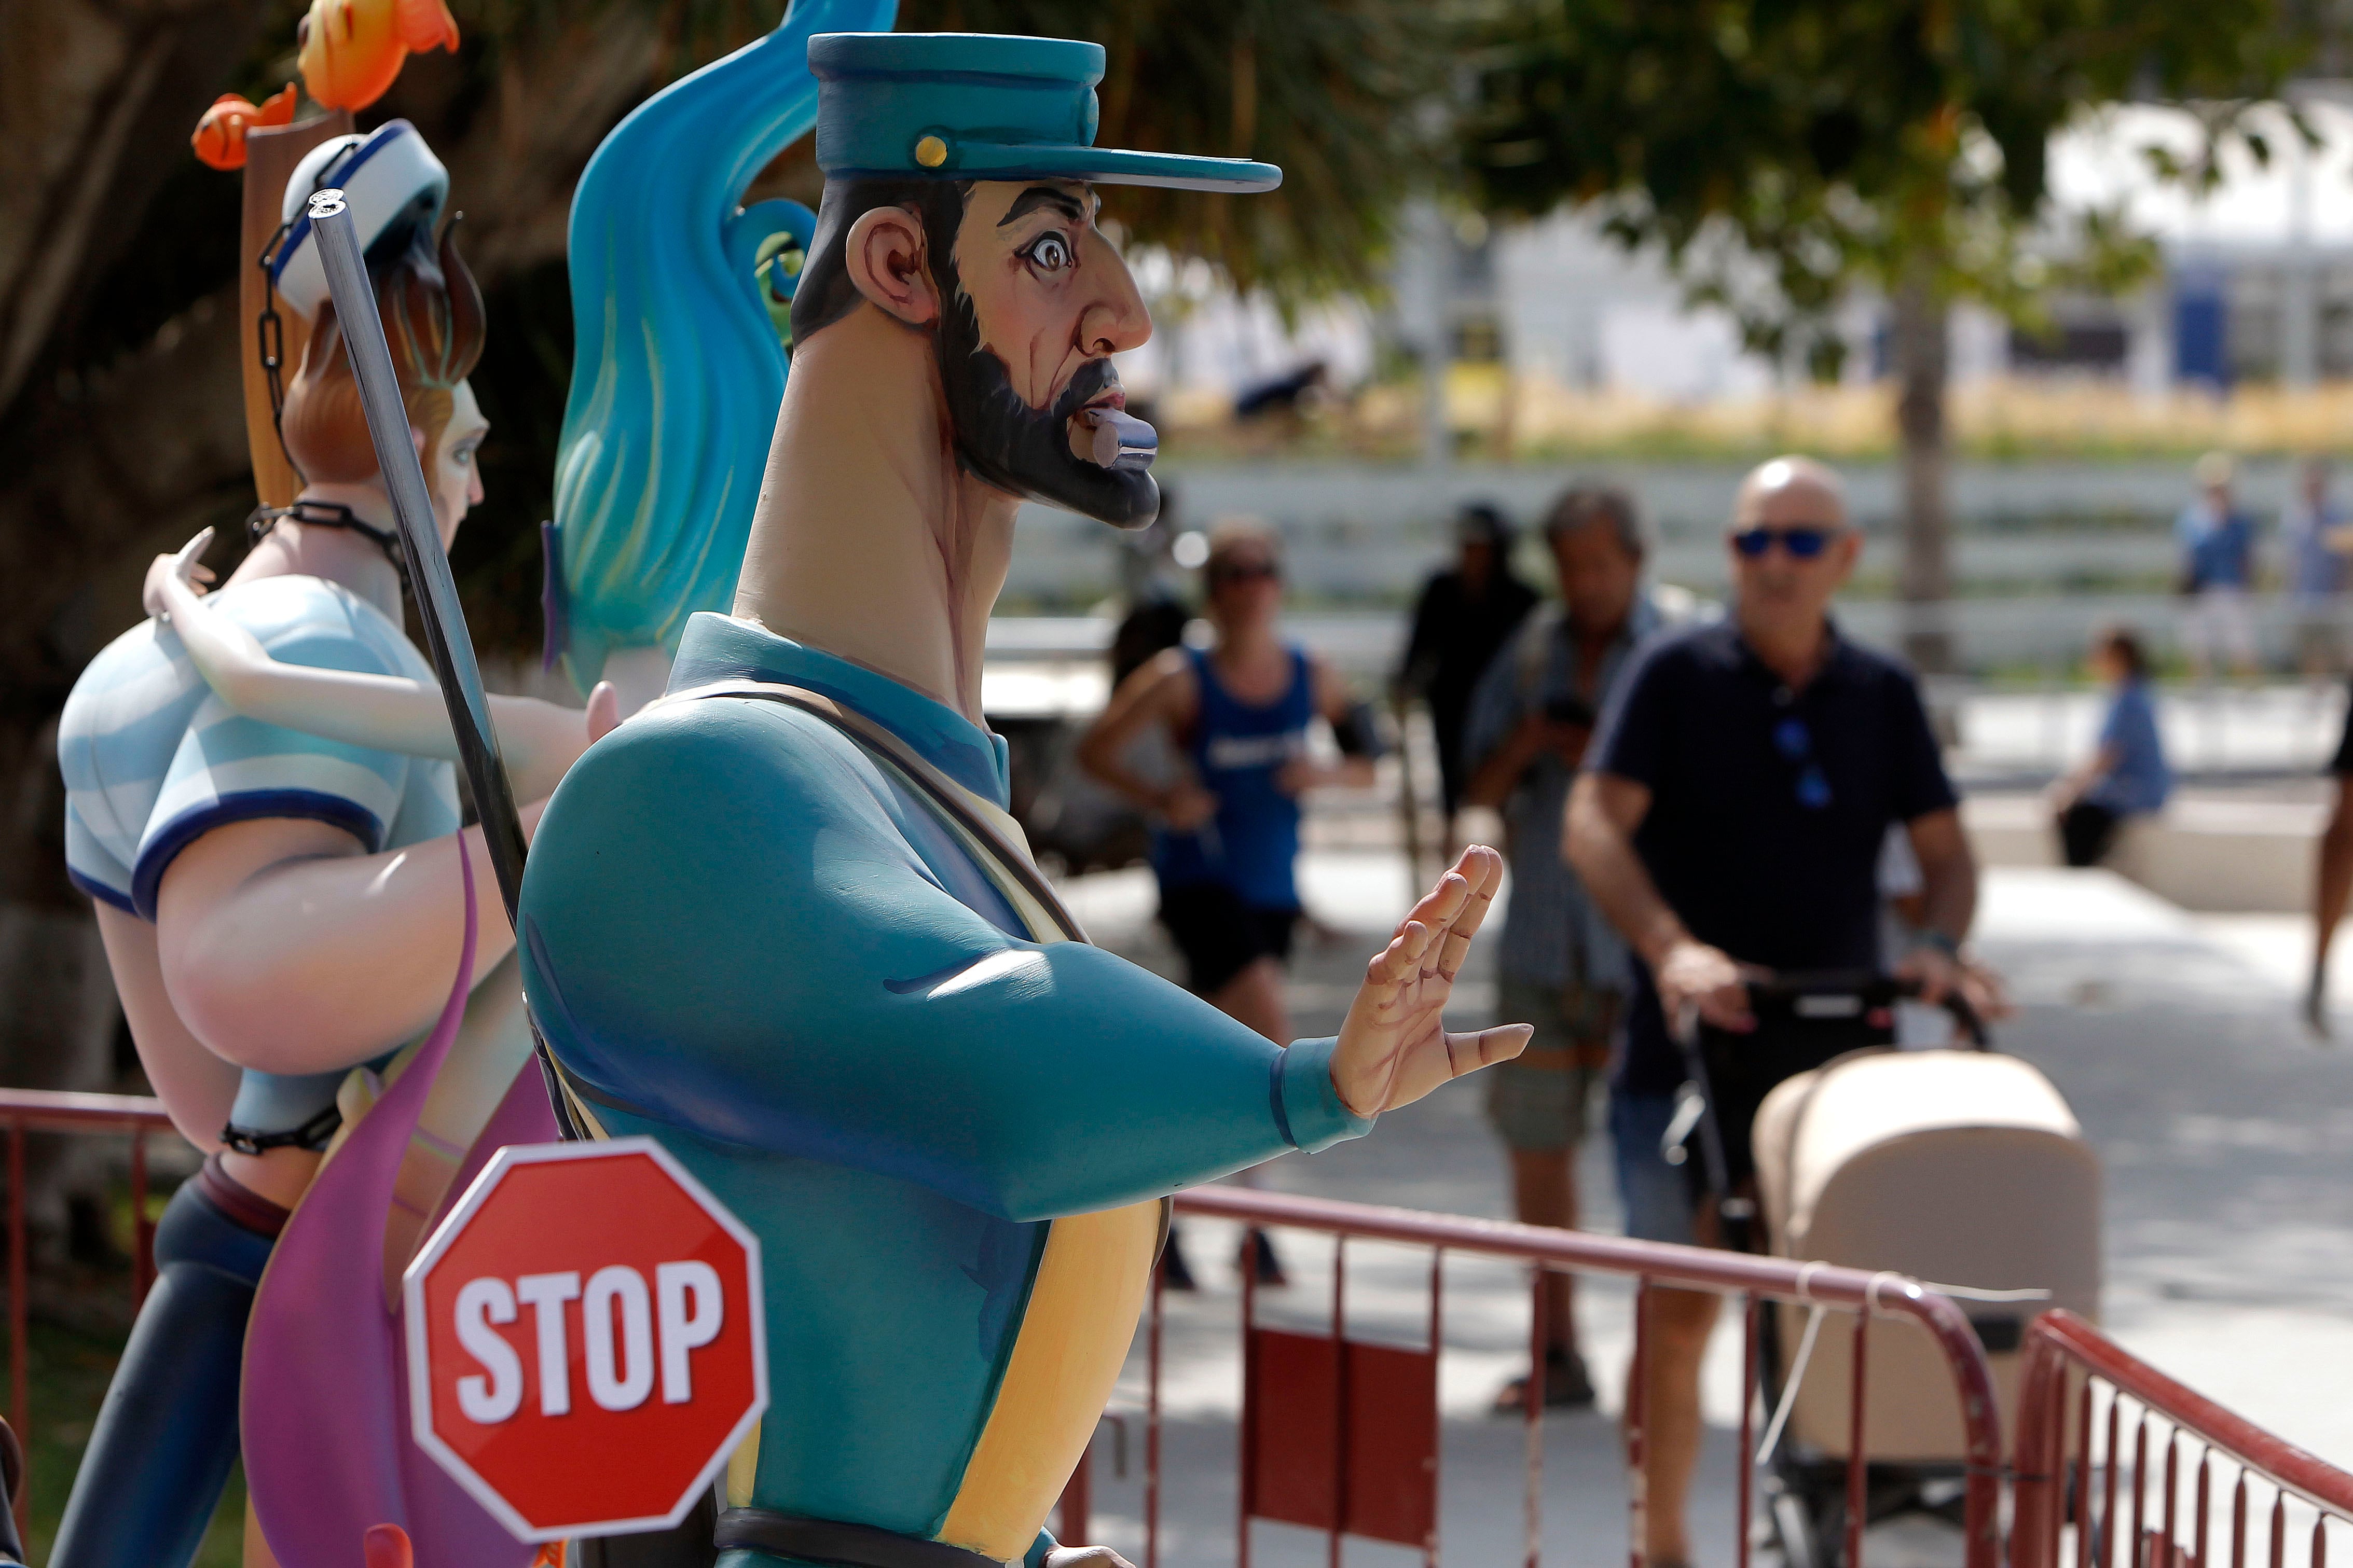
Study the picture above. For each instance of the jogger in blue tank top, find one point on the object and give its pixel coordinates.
(1226, 832)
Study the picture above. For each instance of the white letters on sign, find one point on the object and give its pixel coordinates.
(547, 1293)
(622, 1387)
(683, 1331)
(482, 1304)
(621, 1324)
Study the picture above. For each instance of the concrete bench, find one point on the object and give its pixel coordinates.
(2218, 856)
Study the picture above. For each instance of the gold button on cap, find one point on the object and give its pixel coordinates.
(931, 152)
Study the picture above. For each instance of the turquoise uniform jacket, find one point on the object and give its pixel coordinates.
(744, 937)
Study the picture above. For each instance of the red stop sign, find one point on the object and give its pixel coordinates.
(585, 1342)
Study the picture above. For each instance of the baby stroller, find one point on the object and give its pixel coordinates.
(1962, 1166)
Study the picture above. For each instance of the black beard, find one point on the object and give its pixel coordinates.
(1027, 451)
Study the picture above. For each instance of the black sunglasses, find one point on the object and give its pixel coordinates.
(1244, 572)
(1795, 741)
(1803, 543)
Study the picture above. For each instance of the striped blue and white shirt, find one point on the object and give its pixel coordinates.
(154, 760)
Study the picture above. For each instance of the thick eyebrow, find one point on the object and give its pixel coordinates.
(1038, 196)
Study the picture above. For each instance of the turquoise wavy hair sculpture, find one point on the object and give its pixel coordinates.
(679, 355)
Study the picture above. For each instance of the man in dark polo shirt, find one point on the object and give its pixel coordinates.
(1729, 822)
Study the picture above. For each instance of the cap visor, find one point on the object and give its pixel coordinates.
(1107, 166)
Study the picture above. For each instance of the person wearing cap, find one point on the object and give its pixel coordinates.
(780, 922)
(2217, 541)
(1558, 963)
(1730, 819)
(276, 905)
(1465, 612)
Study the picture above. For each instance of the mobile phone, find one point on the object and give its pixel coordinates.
(1569, 709)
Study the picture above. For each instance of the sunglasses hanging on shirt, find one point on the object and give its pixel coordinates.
(1796, 744)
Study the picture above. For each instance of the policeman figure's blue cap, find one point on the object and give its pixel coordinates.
(983, 105)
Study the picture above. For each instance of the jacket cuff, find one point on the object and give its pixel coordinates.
(1036, 1556)
(1307, 1108)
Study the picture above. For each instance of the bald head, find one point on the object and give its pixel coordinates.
(1789, 547)
(1791, 493)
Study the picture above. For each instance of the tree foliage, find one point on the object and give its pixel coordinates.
(1338, 93)
(1780, 151)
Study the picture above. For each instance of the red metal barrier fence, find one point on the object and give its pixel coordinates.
(1342, 1436)
(48, 1110)
(2074, 1486)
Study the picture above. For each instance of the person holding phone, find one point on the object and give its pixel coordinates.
(1561, 966)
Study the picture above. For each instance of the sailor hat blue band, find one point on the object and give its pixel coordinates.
(390, 180)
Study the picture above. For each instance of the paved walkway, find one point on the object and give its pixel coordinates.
(2227, 1136)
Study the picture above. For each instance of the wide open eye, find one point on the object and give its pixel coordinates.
(1050, 252)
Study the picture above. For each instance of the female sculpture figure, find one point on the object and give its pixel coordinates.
(275, 904)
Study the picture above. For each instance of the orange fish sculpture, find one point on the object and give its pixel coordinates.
(351, 49)
(219, 140)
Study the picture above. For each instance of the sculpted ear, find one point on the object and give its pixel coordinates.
(885, 254)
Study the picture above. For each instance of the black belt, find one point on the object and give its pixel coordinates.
(830, 1541)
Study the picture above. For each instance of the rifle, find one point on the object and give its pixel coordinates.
(446, 637)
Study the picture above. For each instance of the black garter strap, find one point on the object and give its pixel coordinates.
(312, 1134)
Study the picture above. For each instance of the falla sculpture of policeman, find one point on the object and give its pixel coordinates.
(780, 921)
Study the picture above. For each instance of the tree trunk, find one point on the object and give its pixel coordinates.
(1924, 579)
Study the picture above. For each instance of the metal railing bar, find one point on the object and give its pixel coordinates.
(1152, 1418)
(2239, 1522)
(2060, 1335)
(1638, 1434)
(1437, 1444)
(1695, 1268)
(1858, 1495)
(2109, 1508)
(2139, 1491)
(1532, 1421)
(1751, 1363)
(20, 1347)
(2082, 1494)
(1339, 1395)
(52, 1109)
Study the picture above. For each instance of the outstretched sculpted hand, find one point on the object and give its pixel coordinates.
(1085, 1557)
(1394, 1048)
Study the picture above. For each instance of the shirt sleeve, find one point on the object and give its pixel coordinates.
(1630, 742)
(229, 768)
(1921, 785)
(724, 930)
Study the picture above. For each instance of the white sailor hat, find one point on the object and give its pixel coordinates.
(390, 180)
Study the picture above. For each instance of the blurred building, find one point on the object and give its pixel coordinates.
(2256, 286)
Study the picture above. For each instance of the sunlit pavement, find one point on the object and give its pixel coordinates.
(2226, 1133)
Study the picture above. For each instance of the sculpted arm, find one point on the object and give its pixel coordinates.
(286, 948)
(197, 1085)
(776, 968)
(384, 712)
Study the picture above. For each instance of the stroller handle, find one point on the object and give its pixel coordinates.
(1868, 988)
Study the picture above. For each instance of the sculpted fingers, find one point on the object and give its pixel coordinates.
(1483, 872)
(1399, 961)
(1469, 1053)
